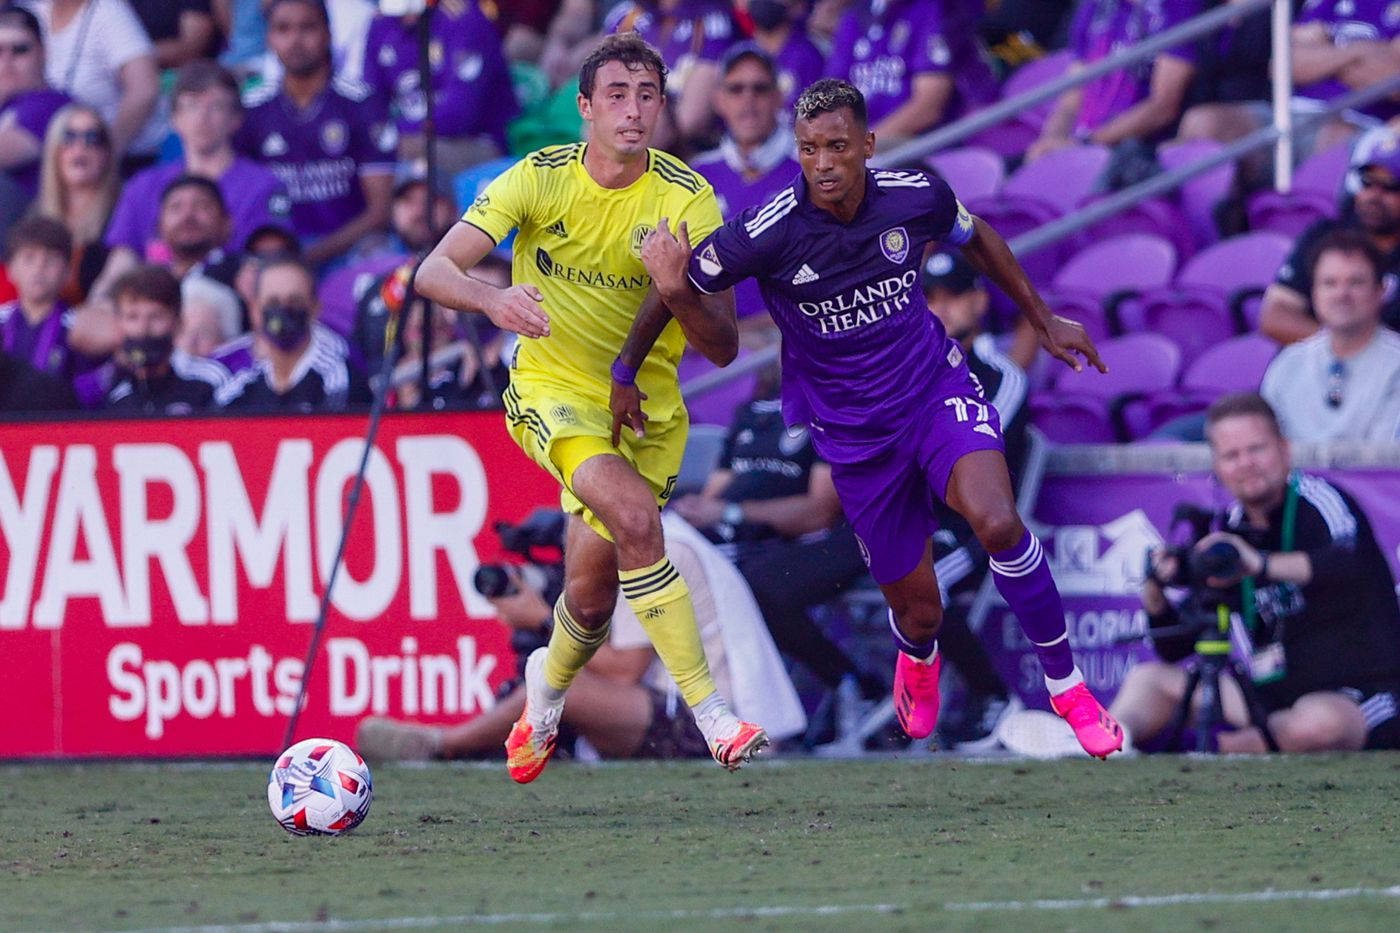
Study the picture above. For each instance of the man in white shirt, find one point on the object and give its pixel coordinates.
(1342, 383)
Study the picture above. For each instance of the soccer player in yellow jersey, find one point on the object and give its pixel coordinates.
(583, 213)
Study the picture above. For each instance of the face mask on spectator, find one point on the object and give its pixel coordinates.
(768, 14)
(147, 352)
(286, 325)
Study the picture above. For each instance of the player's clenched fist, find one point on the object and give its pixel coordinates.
(666, 256)
(519, 309)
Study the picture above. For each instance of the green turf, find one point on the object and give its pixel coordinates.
(671, 845)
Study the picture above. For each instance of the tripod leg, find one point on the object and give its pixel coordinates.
(1183, 710)
(1211, 714)
(1258, 716)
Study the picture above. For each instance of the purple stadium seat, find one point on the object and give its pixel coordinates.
(1155, 215)
(1137, 364)
(1062, 178)
(972, 171)
(718, 405)
(1073, 419)
(1193, 319)
(1012, 217)
(1199, 196)
(1249, 260)
(1015, 135)
(1289, 214)
(1132, 263)
(340, 291)
(1234, 365)
(1323, 171)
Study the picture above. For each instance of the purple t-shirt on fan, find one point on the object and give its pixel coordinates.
(740, 184)
(472, 93)
(799, 63)
(44, 345)
(319, 153)
(1349, 21)
(882, 49)
(862, 354)
(253, 195)
(1100, 28)
(695, 31)
(31, 111)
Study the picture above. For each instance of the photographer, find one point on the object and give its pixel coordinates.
(1313, 594)
(623, 702)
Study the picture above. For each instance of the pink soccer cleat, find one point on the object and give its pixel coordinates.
(916, 694)
(1095, 729)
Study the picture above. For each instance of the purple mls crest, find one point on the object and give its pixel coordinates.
(895, 245)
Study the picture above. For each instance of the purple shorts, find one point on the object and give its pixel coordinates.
(889, 499)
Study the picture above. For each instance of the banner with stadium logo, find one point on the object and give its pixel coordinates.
(160, 579)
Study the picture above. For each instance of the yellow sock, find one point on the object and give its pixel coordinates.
(661, 600)
(570, 647)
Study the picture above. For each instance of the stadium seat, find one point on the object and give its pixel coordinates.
(1289, 214)
(1156, 216)
(1073, 419)
(1233, 365)
(1097, 280)
(1198, 197)
(340, 292)
(1140, 366)
(1323, 172)
(1013, 137)
(1011, 217)
(1062, 178)
(972, 171)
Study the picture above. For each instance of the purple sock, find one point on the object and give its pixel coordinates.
(1024, 581)
(920, 651)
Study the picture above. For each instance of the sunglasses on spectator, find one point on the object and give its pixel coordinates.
(93, 138)
(1388, 185)
(1336, 383)
(756, 88)
(18, 49)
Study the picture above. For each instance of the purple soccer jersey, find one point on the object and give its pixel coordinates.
(253, 195)
(31, 111)
(319, 153)
(799, 63)
(881, 51)
(1100, 28)
(741, 184)
(1348, 21)
(472, 93)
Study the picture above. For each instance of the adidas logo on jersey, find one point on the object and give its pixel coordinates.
(274, 145)
(804, 275)
(557, 228)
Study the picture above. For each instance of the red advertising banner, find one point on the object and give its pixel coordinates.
(160, 578)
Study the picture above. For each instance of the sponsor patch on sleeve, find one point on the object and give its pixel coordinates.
(709, 261)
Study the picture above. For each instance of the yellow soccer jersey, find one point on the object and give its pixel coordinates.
(580, 245)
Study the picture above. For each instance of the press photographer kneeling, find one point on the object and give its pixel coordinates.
(1312, 600)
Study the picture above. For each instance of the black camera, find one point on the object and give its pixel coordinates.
(1221, 560)
(542, 529)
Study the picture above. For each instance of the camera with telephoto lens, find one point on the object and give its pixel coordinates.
(542, 529)
(1221, 560)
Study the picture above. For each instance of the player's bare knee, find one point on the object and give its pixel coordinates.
(918, 619)
(998, 529)
(591, 602)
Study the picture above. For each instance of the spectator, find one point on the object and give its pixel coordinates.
(414, 229)
(780, 29)
(294, 368)
(27, 104)
(78, 187)
(263, 243)
(523, 25)
(472, 95)
(771, 506)
(691, 35)
(244, 30)
(623, 702)
(1136, 105)
(918, 63)
(206, 113)
(349, 25)
(322, 136)
(754, 159)
(151, 376)
(210, 316)
(461, 382)
(1287, 314)
(24, 390)
(182, 31)
(1341, 46)
(35, 325)
(1318, 598)
(98, 52)
(1342, 383)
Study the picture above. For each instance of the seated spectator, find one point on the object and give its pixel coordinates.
(472, 95)
(623, 702)
(1287, 314)
(523, 25)
(97, 51)
(293, 367)
(691, 35)
(35, 325)
(414, 229)
(263, 243)
(754, 159)
(210, 316)
(27, 103)
(1322, 620)
(78, 187)
(349, 25)
(771, 506)
(151, 376)
(181, 31)
(1019, 31)
(206, 112)
(780, 29)
(322, 136)
(1342, 383)
(192, 224)
(1136, 105)
(918, 63)
(1341, 46)
(462, 382)
(24, 390)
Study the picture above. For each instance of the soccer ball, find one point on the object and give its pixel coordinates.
(319, 787)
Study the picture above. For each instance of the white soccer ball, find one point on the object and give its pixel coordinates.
(319, 787)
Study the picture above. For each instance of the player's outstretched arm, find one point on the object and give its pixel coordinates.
(1063, 338)
(442, 277)
(708, 320)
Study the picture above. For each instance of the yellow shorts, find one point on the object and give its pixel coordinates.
(559, 432)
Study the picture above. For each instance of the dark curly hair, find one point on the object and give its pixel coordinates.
(630, 49)
(829, 95)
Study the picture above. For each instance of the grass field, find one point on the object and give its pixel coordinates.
(1163, 843)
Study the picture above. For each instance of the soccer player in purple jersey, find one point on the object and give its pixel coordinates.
(886, 393)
